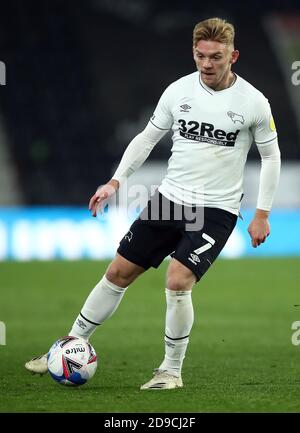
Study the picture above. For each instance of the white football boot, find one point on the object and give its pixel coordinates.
(163, 380)
(38, 365)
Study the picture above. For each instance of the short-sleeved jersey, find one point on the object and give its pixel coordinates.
(212, 135)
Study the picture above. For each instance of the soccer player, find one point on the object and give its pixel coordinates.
(215, 115)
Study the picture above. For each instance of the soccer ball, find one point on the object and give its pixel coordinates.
(72, 361)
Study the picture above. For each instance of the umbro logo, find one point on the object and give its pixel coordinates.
(81, 324)
(236, 117)
(185, 108)
(194, 258)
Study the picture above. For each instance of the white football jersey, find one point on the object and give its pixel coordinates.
(212, 135)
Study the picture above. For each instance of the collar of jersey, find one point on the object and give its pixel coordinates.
(216, 92)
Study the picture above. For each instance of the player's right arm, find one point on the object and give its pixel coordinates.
(136, 152)
(134, 156)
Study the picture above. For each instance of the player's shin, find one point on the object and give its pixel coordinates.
(101, 303)
(179, 322)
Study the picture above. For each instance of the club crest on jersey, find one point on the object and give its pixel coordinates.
(129, 235)
(236, 117)
(206, 133)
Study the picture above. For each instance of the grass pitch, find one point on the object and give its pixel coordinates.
(240, 357)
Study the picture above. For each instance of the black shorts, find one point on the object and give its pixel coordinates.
(194, 236)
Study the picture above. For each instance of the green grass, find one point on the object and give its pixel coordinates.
(240, 357)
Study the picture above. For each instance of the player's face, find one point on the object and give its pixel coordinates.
(214, 60)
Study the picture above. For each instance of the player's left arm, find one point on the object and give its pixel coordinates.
(265, 137)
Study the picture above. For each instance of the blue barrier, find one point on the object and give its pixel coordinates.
(284, 239)
(45, 233)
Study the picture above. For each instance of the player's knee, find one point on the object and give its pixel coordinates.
(121, 275)
(118, 276)
(179, 282)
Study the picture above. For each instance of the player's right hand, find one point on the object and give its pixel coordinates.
(99, 199)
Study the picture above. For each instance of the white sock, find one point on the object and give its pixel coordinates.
(179, 322)
(101, 303)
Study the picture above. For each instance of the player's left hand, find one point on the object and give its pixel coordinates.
(259, 228)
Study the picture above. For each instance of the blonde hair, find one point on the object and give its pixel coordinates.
(214, 29)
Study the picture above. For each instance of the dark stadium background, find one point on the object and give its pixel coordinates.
(83, 77)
